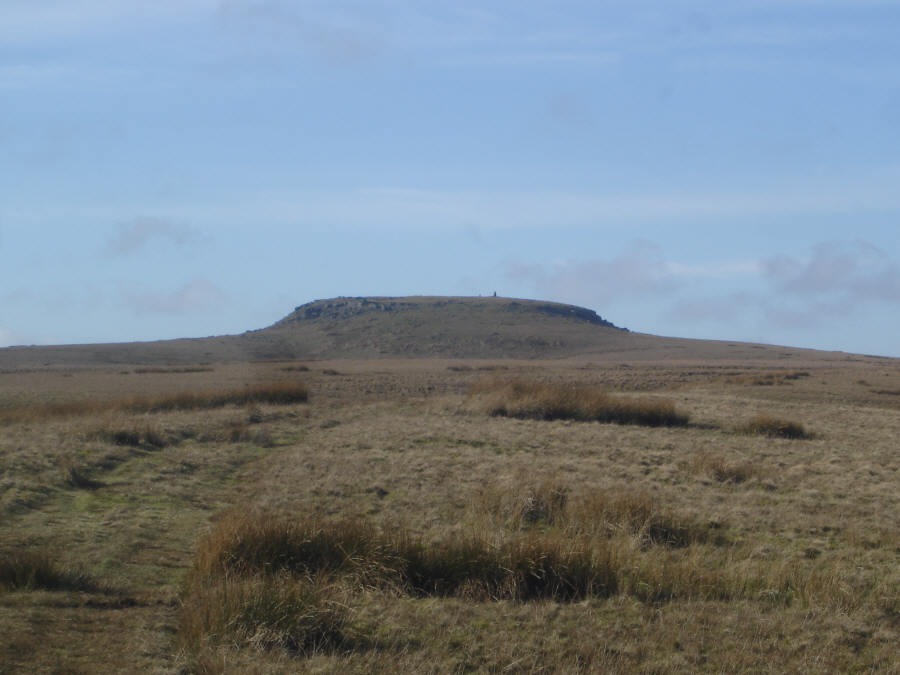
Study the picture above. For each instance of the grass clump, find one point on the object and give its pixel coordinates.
(534, 399)
(299, 615)
(255, 542)
(266, 582)
(535, 565)
(146, 437)
(762, 379)
(775, 427)
(36, 412)
(281, 393)
(38, 570)
(186, 369)
(278, 393)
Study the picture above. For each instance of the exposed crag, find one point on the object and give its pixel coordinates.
(346, 307)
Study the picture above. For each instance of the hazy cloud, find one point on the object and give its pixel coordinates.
(725, 308)
(8, 337)
(853, 271)
(836, 280)
(640, 270)
(199, 295)
(342, 37)
(131, 237)
(25, 20)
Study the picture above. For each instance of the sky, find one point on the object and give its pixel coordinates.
(184, 168)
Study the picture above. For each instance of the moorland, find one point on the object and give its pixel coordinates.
(437, 485)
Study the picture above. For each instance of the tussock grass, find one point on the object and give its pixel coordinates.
(283, 393)
(534, 399)
(187, 369)
(265, 612)
(136, 437)
(576, 560)
(38, 570)
(243, 543)
(268, 580)
(775, 427)
(41, 411)
(536, 565)
(561, 564)
(763, 379)
(278, 393)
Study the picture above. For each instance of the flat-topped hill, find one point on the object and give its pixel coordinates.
(448, 307)
(416, 327)
(440, 327)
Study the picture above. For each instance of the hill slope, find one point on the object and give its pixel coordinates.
(423, 327)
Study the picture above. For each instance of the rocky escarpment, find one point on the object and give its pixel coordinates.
(348, 307)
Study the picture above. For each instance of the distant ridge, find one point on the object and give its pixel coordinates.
(413, 327)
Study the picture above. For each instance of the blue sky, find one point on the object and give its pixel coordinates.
(702, 169)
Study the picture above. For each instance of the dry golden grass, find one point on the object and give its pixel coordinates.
(300, 615)
(279, 393)
(602, 514)
(459, 542)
